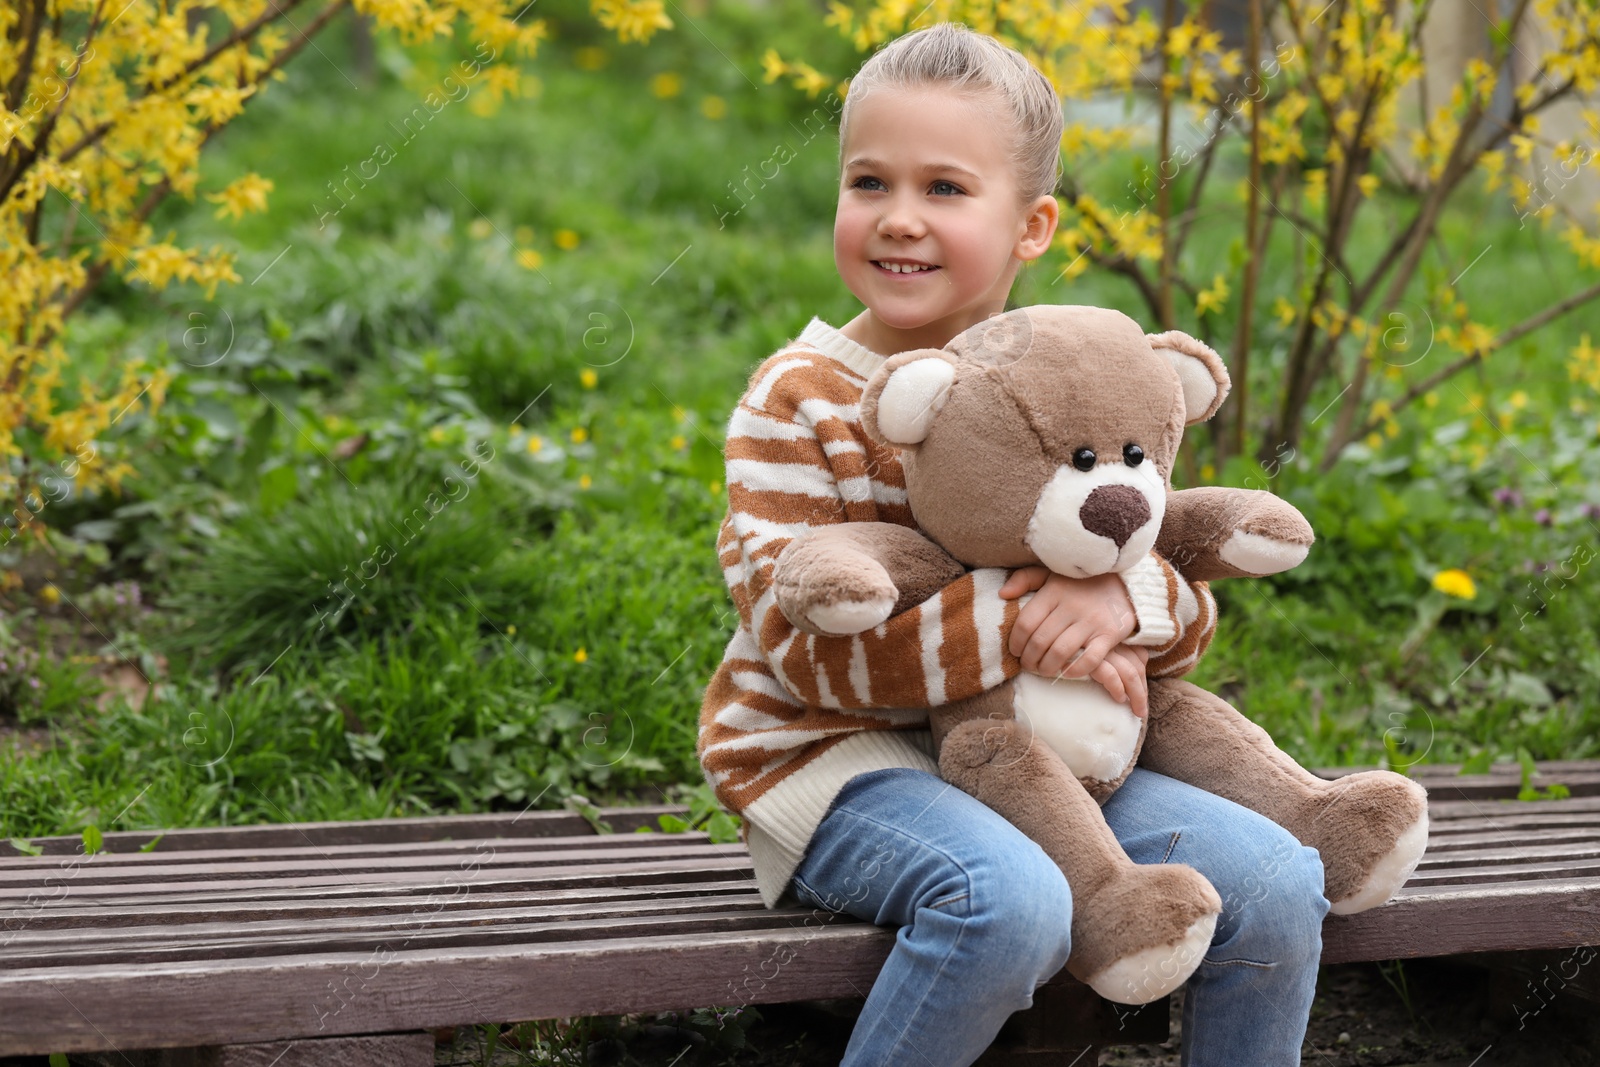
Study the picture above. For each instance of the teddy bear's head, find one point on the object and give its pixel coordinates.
(1044, 435)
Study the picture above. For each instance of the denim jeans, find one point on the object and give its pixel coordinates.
(985, 916)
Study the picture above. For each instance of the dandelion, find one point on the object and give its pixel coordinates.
(566, 240)
(714, 108)
(535, 442)
(436, 435)
(529, 258)
(579, 435)
(511, 630)
(716, 487)
(50, 594)
(584, 481)
(581, 656)
(589, 378)
(1455, 582)
(677, 442)
(666, 85)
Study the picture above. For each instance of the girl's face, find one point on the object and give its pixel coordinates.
(927, 186)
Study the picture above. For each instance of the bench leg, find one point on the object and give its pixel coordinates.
(373, 1050)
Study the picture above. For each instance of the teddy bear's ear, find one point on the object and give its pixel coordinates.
(1205, 380)
(905, 395)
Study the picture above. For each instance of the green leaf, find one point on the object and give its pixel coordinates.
(1479, 762)
(150, 845)
(93, 840)
(58, 1059)
(278, 486)
(22, 845)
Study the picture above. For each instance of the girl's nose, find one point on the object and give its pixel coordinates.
(899, 219)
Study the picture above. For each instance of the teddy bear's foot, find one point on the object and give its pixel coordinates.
(1371, 829)
(1141, 935)
(1137, 931)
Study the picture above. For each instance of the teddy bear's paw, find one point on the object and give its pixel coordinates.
(1372, 833)
(850, 616)
(1262, 554)
(1152, 973)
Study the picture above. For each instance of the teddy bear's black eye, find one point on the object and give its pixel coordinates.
(1083, 459)
(1132, 455)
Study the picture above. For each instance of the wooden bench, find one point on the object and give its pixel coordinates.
(345, 943)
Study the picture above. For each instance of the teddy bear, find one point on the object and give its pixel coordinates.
(1047, 435)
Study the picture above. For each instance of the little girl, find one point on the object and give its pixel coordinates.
(949, 146)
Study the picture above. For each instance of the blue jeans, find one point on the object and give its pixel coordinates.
(985, 916)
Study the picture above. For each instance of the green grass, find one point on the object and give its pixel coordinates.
(550, 632)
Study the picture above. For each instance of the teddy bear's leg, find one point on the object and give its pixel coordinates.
(1371, 827)
(1138, 931)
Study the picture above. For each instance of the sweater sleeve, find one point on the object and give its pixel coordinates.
(796, 462)
(1175, 617)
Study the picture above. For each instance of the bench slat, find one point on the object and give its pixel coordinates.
(330, 994)
(1443, 921)
(1505, 872)
(204, 909)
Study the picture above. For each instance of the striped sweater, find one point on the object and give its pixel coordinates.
(790, 717)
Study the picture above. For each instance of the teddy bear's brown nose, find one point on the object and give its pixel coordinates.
(1115, 511)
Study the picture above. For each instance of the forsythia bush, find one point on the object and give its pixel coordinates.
(105, 108)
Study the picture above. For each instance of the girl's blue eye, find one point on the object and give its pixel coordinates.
(857, 184)
(948, 185)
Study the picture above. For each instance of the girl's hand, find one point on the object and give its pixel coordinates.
(1123, 676)
(1070, 625)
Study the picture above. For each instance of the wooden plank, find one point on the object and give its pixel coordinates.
(64, 892)
(1440, 810)
(1470, 838)
(370, 1050)
(623, 820)
(165, 1005)
(375, 928)
(1487, 855)
(1444, 921)
(458, 849)
(202, 909)
(1504, 872)
(632, 850)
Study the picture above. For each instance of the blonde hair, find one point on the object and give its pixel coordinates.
(953, 55)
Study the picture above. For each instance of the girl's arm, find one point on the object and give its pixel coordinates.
(794, 463)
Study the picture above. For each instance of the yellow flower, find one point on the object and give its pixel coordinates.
(773, 66)
(677, 442)
(584, 481)
(242, 196)
(634, 20)
(511, 630)
(713, 107)
(436, 434)
(1285, 311)
(50, 594)
(566, 240)
(1368, 183)
(535, 443)
(581, 656)
(716, 487)
(1456, 583)
(530, 258)
(480, 228)
(579, 435)
(1214, 298)
(666, 85)
(589, 378)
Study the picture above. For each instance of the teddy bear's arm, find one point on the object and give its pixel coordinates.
(1216, 532)
(849, 577)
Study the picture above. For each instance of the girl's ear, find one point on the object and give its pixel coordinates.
(1200, 370)
(1041, 220)
(905, 395)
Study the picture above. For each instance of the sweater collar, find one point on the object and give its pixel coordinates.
(835, 345)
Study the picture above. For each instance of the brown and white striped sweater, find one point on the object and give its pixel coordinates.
(790, 717)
